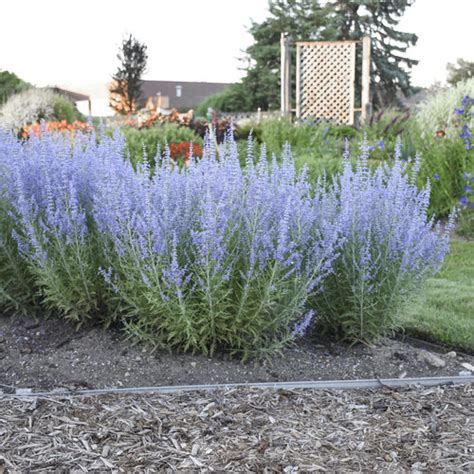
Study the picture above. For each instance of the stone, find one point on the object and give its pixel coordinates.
(432, 360)
(450, 355)
(23, 391)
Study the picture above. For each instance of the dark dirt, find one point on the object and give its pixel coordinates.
(50, 353)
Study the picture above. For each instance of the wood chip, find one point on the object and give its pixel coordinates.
(242, 430)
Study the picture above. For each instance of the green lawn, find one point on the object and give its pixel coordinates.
(444, 311)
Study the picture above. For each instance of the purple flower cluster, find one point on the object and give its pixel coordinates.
(388, 246)
(466, 136)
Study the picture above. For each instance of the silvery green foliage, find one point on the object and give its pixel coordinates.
(29, 106)
(388, 247)
(437, 113)
(48, 185)
(216, 256)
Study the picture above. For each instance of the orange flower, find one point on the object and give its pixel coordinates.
(181, 150)
(62, 126)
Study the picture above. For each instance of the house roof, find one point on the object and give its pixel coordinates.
(192, 93)
(74, 96)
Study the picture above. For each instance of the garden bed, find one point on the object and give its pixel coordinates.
(45, 354)
(243, 430)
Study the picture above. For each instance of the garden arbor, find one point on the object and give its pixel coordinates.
(326, 79)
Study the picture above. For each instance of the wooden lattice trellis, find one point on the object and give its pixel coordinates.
(325, 79)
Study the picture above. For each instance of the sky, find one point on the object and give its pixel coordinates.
(54, 42)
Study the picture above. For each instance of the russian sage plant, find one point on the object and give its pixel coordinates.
(52, 183)
(215, 256)
(17, 288)
(388, 247)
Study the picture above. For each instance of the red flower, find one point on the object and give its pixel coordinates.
(181, 151)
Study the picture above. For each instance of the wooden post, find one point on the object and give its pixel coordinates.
(285, 87)
(298, 81)
(365, 101)
(352, 85)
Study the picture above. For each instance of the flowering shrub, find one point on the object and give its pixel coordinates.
(215, 257)
(48, 191)
(33, 105)
(387, 247)
(212, 257)
(465, 115)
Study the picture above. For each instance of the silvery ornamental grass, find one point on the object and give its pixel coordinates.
(388, 247)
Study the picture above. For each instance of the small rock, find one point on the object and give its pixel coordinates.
(468, 366)
(32, 325)
(465, 373)
(432, 360)
(2, 340)
(450, 355)
(23, 391)
(193, 364)
(399, 355)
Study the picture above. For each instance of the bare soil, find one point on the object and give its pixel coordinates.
(45, 354)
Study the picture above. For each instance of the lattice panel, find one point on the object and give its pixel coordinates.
(325, 80)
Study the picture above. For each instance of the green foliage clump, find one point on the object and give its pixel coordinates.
(18, 291)
(465, 226)
(232, 99)
(64, 109)
(147, 142)
(10, 84)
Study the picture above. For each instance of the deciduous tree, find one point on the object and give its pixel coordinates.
(462, 70)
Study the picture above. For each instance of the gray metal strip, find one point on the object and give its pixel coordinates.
(317, 385)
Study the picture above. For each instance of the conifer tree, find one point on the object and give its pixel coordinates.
(351, 20)
(125, 89)
(329, 21)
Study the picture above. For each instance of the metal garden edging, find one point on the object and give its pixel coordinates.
(315, 385)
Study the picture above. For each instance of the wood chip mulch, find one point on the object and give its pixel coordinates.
(243, 430)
